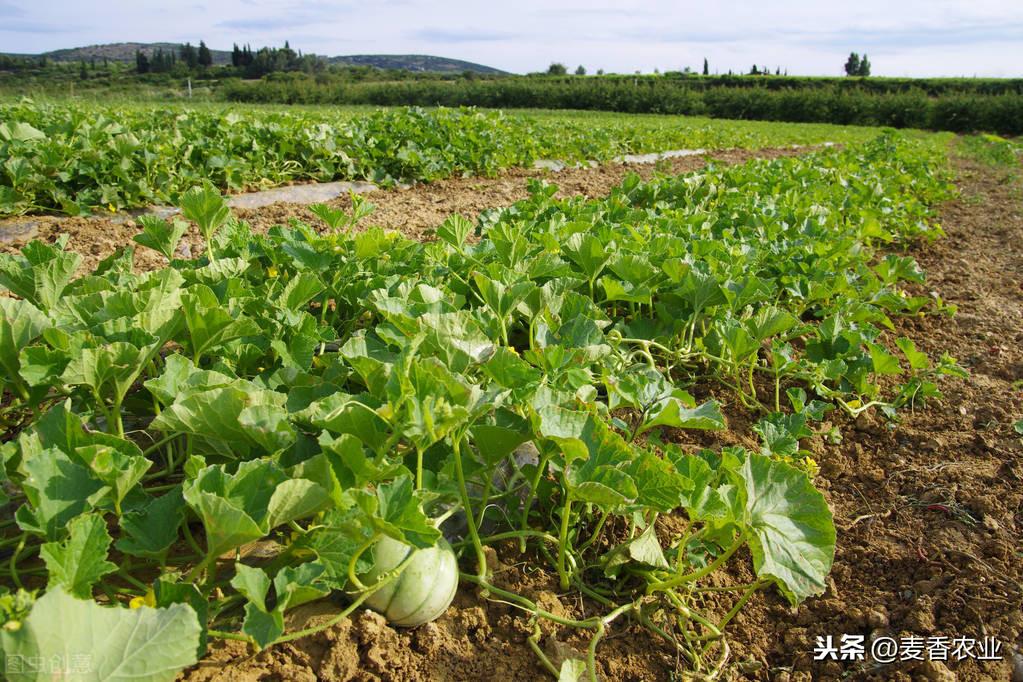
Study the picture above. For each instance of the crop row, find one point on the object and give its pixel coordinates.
(325, 397)
(75, 159)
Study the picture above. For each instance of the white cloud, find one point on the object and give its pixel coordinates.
(915, 37)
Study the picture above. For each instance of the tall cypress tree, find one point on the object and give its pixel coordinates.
(852, 65)
(864, 69)
(205, 57)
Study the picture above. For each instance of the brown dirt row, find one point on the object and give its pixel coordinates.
(415, 211)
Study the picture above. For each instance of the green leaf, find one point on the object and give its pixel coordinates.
(455, 230)
(498, 440)
(456, 339)
(780, 433)
(917, 360)
(295, 499)
(705, 501)
(227, 526)
(108, 370)
(264, 628)
(41, 273)
(335, 541)
(701, 290)
(340, 413)
(398, 511)
(58, 489)
(672, 412)
(297, 585)
(206, 207)
(604, 486)
(159, 235)
(80, 561)
(150, 531)
(883, 361)
(120, 465)
(167, 592)
(644, 549)
(104, 644)
(587, 252)
(20, 324)
(659, 484)
(235, 421)
(19, 131)
(792, 533)
(299, 291)
(771, 321)
(371, 358)
(572, 670)
(210, 327)
(252, 583)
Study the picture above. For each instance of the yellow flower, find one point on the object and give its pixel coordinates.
(148, 600)
(271, 271)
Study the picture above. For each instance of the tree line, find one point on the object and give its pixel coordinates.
(245, 61)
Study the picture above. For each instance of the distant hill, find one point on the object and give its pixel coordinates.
(125, 52)
(413, 62)
(122, 52)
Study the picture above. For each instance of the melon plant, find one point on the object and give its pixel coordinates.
(299, 416)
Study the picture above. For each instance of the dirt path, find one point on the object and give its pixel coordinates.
(415, 211)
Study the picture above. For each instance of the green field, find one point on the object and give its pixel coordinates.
(348, 397)
(77, 157)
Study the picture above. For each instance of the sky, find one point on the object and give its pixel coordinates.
(902, 38)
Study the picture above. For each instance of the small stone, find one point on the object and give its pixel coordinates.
(427, 638)
(751, 667)
(936, 671)
(877, 619)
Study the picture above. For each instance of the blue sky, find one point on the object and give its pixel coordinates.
(913, 38)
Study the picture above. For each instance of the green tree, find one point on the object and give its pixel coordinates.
(864, 69)
(141, 62)
(852, 65)
(557, 69)
(580, 70)
(204, 57)
(706, 67)
(189, 55)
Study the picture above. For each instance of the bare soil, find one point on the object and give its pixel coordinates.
(929, 510)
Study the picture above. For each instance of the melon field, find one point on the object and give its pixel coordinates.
(595, 419)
